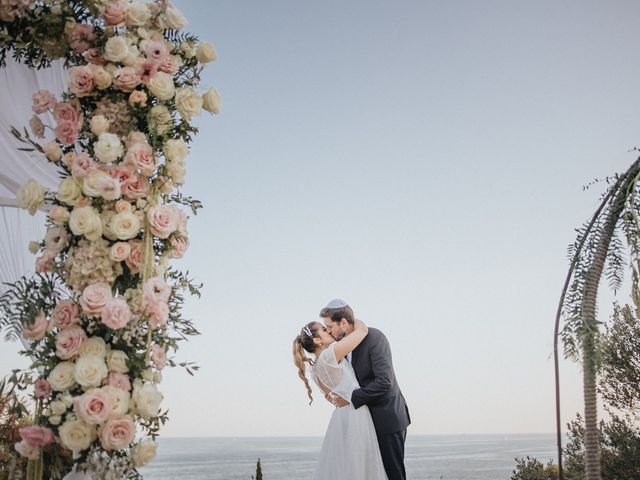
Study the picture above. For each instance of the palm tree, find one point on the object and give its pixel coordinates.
(597, 250)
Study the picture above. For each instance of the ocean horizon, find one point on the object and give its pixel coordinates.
(427, 457)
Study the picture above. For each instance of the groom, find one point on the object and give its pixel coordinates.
(379, 389)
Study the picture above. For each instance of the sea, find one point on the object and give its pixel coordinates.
(427, 457)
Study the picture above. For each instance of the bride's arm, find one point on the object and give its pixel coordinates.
(351, 341)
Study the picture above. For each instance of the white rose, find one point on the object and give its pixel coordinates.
(188, 49)
(120, 399)
(61, 377)
(94, 346)
(117, 361)
(125, 225)
(69, 191)
(144, 452)
(206, 53)
(175, 150)
(173, 19)
(76, 435)
(99, 124)
(188, 102)
(162, 86)
(116, 49)
(160, 119)
(102, 79)
(108, 148)
(31, 196)
(86, 221)
(92, 184)
(90, 371)
(67, 398)
(176, 171)
(57, 407)
(147, 399)
(55, 419)
(138, 15)
(211, 101)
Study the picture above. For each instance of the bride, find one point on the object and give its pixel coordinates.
(350, 448)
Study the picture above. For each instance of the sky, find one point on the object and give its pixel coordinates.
(423, 160)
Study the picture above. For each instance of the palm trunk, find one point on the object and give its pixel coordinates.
(590, 294)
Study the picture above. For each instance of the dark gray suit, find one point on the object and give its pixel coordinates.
(379, 390)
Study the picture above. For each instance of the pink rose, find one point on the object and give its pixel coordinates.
(94, 298)
(120, 251)
(170, 64)
(37, 329)
(67, 133)
(139, 187)
(42, 388)
(69, 342)
(127, 79)
(68, 112)
(37, 436)
(81, 80)
(45, 263)
(148, 70)
(94, 57)
(156, 290)
(124, 175)
(65, 314)
(163, 220)
(158, 313)
(93, 407)
(179, 245)
(27, 451)
(116, 314)
(156, 51)
(117, 433)
(135, 259)
(83, 165)
(43, 101)
(119, 380)
(158, 356)
(115, 12)
(140, 157)
(80, 37)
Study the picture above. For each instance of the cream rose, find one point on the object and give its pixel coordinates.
(108, 148)
(117, 361)
(100, 184)
(175, 150)
(57, 407)
(102, 79)
(206, 53)
(52, 151)
(94, 346)
(90, 371)
(62, 377)
(120, 399)
(147, 399)
(173, 19)
(188, 102)
(211, 101)
(69, 342)
(144, 452)
(176, 171)
(160, 119)
(86, 221)
(69, 191)
(94, 298)
(125, 225)
(138, 15)
(31, 196)
(59, 215)
(117, 433)
(99, 124)
(76, 435)
(162, 86)
(188, 49)
(119, 251)
(116, 49)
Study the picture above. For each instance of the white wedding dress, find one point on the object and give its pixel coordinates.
(350, 448)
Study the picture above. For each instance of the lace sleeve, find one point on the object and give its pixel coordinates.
(326, 368)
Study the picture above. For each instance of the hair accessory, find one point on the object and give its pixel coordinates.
(308, 331)
(337, 303)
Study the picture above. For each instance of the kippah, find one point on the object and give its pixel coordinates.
(337, 303)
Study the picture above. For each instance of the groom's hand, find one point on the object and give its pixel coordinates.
(337, 400)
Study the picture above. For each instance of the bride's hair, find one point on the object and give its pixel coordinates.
(302, 343)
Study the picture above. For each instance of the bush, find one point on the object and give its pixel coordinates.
(532, 469)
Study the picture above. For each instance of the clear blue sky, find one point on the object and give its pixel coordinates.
(423, 160)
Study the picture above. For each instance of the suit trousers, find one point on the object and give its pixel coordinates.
(392, 451)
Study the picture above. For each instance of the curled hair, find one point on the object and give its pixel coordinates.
(302, 343)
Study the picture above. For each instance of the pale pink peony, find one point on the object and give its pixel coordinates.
(45, 263)
(115, 12)
(156, 289)
(94, 298)
(158, 356)
(156, 51)
(37, 330)
(37, 436)
(163, 220)
(43, 101)
(81, 80)
(119, 380)
(140, 158)
(94, 407)
(42, 388)
(65, 314)
(69, 342)
(83, 165)
(170, 64)
(158, 313)
(116, 314)
(135, 259)
(127, 79)
(117, 433)
(27, 451)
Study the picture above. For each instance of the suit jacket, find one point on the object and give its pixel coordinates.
(379, 389)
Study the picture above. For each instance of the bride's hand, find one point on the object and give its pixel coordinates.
(360, 325)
